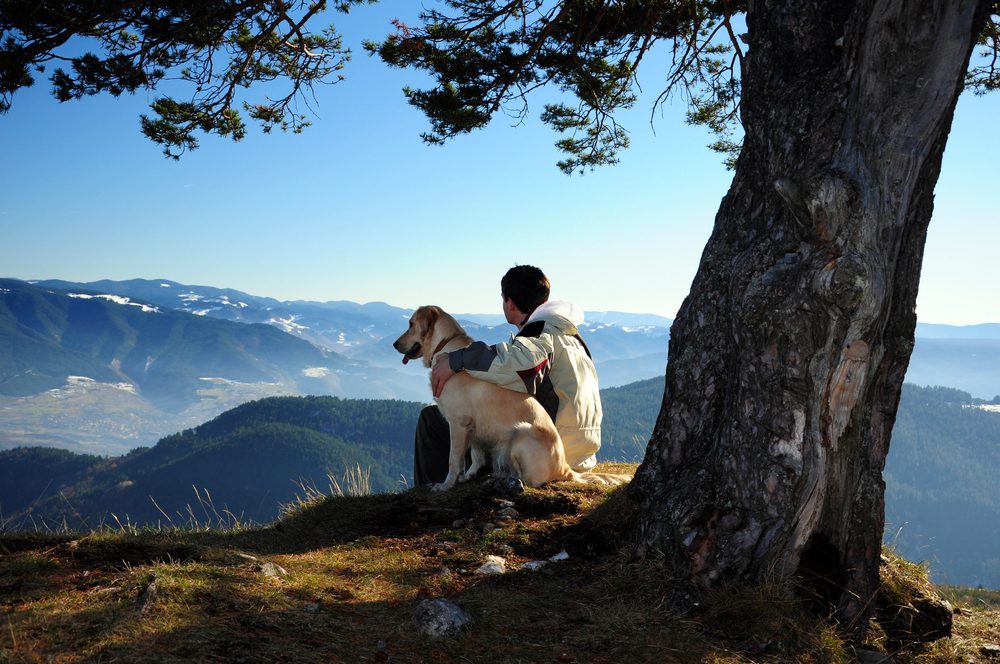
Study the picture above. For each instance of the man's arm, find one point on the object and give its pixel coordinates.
(511, 364)
(475, 355)
(441, 373)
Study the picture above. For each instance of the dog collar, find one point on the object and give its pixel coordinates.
(444, 342)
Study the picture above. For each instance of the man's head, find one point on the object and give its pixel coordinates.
(526, 287)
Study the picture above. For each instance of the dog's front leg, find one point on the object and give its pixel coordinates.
(478, 461)
(456, 458)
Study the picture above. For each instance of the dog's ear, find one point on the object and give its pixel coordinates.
(430, 319)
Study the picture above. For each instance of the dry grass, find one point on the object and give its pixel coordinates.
(357, 566)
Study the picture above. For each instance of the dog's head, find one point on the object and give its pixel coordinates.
(424, 333)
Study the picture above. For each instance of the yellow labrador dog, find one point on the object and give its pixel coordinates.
(511, 427)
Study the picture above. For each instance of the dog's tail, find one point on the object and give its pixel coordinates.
(611, 479)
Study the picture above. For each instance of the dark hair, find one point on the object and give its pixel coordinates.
(526, 285)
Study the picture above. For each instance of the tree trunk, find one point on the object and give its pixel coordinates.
(787, 358)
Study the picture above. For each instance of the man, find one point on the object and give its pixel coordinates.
(547, 359)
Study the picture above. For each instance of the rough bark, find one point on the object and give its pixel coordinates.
(787, 358)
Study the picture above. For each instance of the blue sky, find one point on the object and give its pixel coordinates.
(358, 208)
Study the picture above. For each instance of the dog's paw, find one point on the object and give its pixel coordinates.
(473, 473)
(443, 486)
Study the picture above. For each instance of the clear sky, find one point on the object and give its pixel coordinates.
(358, 208)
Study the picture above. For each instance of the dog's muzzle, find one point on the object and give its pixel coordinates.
(411, 354)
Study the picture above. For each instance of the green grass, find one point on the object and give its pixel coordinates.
(971, 598)
(357, 567)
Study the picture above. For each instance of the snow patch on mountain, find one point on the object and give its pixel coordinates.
(79, 384)
(224, 299)
(117, 299)
(288, 324)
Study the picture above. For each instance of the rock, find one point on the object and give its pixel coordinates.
(246, 556)
(562, 555)
(439, 617)
(273, 570)
(458, 523)
(506, 486)
(487, 528)
(871, 657)
(502, 504)
(990, 651)
(493, 565)
(534, 565)
(509, 513)
(923, 620)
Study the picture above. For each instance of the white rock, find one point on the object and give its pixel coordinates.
(493, 565)
(439, 617)
(273, 570)
(562, 555)
(534, 565)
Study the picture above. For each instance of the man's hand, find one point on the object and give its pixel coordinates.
(441, 373)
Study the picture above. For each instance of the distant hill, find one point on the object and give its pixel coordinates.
(938, 331)
(164, 355)
(249, 460)
(942, 502)
(97, 371)
(971, 364)
(629, 415)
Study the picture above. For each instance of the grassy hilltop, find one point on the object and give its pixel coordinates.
(358, 566)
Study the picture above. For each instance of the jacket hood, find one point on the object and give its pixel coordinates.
(560, 313)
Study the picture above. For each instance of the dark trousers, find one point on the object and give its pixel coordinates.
(432, 447)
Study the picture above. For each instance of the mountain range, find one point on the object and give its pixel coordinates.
(107, 366)
(103, 367)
